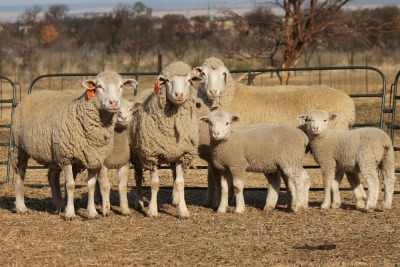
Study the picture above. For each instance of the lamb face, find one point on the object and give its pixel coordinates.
(126, 111)
(108, 86)
(214, 80)
(178, 87)
(317, 121)
(220, 123)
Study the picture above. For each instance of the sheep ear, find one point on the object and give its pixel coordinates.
(137, 105)
(204, 119)
(302, 119)
(130, 83)
(197, 71)
(333, 116)
(89, 84)
(161, 79)
(235, 118)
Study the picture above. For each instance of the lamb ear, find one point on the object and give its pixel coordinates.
(130, 83)
(302, 119)
(197, 71)
(204, 119)
(333, 116)
(161, 79)
(137, 105)
(89, 84)
(235, 118)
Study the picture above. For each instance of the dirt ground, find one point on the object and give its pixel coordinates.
(312, 237)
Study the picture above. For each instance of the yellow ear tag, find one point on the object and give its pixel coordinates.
(156, 88)
(91, 91)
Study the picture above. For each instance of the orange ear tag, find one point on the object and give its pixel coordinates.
(91, 91)
(156, 88)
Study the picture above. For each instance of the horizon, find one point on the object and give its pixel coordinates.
(189, 8)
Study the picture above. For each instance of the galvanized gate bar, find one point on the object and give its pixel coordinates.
(8, 125)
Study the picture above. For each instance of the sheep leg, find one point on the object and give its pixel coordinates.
(354, 181)
(328, 177)
(180, 187)
(91, 184)
(175, 197)
(289, 189)
(389, 180)
(336, 201)
(155, 186)
(223, 204)
(238, 185)
(19, 178)
(305, 189)
(104, 186)
(123, 177)
(371, 175)
(274, 182)
(208, 202)
(53, 177)
(139, 201)
(70, 188)
(216, 176)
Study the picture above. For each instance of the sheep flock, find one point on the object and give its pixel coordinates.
(198, 112)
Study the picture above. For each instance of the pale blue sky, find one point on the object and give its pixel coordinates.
(10, 9)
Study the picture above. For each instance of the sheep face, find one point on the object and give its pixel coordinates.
(177, 87)
(214, 80)
(317, 121)
(108, 88)
(126, 112)
(220, 123)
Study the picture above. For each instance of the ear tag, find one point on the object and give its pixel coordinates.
(91, 91)
(134, 86)
(156, 88)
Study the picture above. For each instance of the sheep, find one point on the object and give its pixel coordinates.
(68, 133)
(119, 157)
(165, 131)
(275, 104)
(362, 150)
(274, 150)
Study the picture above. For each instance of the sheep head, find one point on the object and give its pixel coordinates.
(220, 123)
(126, 111)
(107, 88)
(317, 121)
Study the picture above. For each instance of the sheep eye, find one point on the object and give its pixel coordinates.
(226, 124)
(324, 120)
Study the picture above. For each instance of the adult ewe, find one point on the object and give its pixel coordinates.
(61, 134)
(363, 150)
(276, 105)
(263, 148)
(165, 131)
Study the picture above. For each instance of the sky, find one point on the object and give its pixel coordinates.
(10, 9)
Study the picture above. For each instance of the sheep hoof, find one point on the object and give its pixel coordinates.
(93, 214)
(125, 211)
(207, 203)
(325, 206)
(239, 211)
(221, 210)
(139, 205)
(69, 217)
(386, 206)
(175, 202)
(335, 205)
(21, 209)
(106, 212)
(183, 214)
(152, 213)
(268, 208)
(360, 205)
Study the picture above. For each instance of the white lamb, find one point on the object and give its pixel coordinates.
(58, 131)
(165, 131)
(268, 149)
(270, 104)
(363, 150)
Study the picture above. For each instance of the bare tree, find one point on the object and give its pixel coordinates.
(175, 34)
(30, 15)
(56, 13)
(139, 38)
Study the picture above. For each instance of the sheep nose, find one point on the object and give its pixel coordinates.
(213, 92)
(315, 128)
(179, 96)
(123, 119)
(114, 103)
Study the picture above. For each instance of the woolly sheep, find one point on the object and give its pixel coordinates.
(165, 131)
(269, 149)
(66, 133)
(362, 150)
(275, 104)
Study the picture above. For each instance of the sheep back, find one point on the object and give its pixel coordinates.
(261, 148)
(120, 154)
